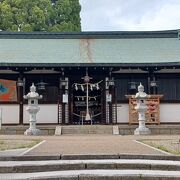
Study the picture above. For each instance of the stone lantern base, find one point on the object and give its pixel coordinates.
(32, 132)
(142, 131)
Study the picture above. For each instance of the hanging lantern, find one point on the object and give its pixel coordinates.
(153, 83)
(41, 85)
(20, 82)
(132, 85)
(111, 82)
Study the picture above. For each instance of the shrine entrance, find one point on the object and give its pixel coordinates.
(87, 101)
(87, 97)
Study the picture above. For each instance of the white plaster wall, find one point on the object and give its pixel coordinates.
(169, 113)
(10, 113)
(122, 113)
(48, 114)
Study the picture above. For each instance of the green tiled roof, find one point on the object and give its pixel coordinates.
(159, 49)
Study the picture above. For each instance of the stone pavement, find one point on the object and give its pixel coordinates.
(70, 157)
(90, 144)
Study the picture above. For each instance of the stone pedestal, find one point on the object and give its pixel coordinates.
(32, 132)
(142, 129)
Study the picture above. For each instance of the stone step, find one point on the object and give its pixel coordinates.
(98, 174)
(64, 165)
(89, 157)
(87, 129)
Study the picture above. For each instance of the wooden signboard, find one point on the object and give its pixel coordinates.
(153, 111)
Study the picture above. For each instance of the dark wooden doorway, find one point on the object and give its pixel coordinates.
(78, 102)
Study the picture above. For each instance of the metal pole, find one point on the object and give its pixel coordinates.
(87, 104)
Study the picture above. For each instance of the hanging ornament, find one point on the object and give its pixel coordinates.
(76, 87)
(82, 87)
(91, 87)
(97, 86)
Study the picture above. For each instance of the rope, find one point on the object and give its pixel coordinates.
(79, 84)
(85, 116)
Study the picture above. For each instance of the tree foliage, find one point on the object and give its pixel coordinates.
(40, 15)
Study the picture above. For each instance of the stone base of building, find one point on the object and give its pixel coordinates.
(32, 132)
(124, 129)
(142, 131)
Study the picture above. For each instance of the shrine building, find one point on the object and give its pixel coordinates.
(90, 71)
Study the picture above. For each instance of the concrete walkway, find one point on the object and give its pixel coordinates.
(64, 148)
(90, 144)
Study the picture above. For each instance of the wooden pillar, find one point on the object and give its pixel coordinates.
(114, 105)
(66, 108)
(61, 104)
(110, 105)
(60, 118)
(103, 106)
(64, 112)
(20, 89)
(152, 86)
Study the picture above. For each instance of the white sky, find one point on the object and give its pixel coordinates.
(130, 15)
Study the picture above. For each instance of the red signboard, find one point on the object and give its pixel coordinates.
(8, 90)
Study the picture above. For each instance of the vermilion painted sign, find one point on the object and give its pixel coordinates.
(8, 90)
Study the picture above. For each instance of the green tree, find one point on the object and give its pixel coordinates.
(40, 15)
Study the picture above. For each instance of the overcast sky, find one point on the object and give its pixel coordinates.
(129, 15)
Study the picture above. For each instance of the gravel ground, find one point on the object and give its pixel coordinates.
(169, 145)
(7, 144)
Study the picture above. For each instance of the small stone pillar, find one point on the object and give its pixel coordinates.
(32, 108)
(141, 108)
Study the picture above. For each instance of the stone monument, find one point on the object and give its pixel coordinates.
(32, 108)
(141, 108)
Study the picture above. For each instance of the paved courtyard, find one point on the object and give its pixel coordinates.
(90, 144)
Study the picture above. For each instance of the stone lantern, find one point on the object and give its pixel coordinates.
(32, 108)
(141, 108)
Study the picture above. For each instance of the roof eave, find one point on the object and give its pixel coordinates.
(90, 35)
